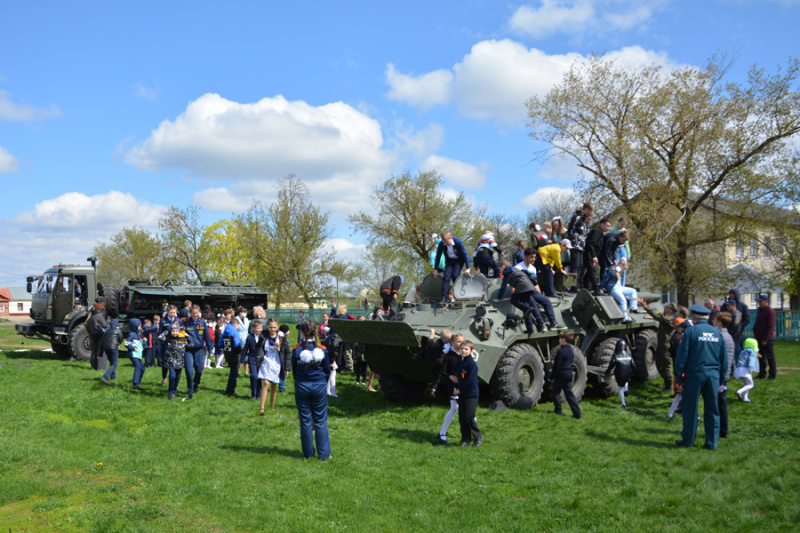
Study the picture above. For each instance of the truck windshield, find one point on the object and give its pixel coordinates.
(46, 284)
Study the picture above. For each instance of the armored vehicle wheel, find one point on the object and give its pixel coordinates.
(61, 350)
(80, 343)
(644, 353)
(601, 357)
(579, 373)
(519, 377)
(399, 389)
(105, 290)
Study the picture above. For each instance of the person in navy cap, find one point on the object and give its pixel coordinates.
(701, 365)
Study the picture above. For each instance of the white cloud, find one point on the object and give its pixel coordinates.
(423, 91)
(102, 213)
(344, 250)
(535, 198)
(577, 17)
(338, 151)
(418, 143)
(66, 229)
(273, 137)
(22, 112)
(451, 194)
(8, 163)
(457, 172)
(493, 81)
(221, 199)
(146, 93)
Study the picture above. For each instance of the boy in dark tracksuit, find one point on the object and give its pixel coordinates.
(467, 380)
(562, 375)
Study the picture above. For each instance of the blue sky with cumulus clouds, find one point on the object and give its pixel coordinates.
(110, 112)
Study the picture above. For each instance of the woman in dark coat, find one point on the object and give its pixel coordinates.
(311, 368)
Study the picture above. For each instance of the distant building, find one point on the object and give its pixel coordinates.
(14, 301)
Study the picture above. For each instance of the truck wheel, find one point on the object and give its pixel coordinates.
(399, 389)
(579, 373)
(644, 354)
(519, 377)
(61, 350)
(602, 356)
(106, 290)
(80, 343)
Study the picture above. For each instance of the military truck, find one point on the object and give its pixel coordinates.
(514, 364)
(61, 299)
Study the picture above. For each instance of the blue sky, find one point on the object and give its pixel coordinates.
(109, 113)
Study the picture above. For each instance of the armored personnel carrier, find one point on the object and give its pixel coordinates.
(62, 297)
(514, 364)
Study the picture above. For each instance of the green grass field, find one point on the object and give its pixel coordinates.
(76, 455)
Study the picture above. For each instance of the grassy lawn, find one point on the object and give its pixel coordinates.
(80, 456)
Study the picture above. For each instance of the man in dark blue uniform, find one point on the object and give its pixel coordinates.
(701, 365)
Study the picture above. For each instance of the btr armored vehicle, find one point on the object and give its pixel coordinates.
(62, 297)
(514, 364)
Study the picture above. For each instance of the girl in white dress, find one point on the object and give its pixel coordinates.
(270, 369)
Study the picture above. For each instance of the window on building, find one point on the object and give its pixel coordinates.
(20, 307)
(753, 247)
(739, 249)
(665, 295)
(779, 249)
(2, 308)
(767, 246)
(754, 300)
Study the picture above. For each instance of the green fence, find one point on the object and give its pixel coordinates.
(291, 314)
(787, 325)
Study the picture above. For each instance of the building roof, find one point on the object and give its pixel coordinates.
(750, 281)
(15, 293)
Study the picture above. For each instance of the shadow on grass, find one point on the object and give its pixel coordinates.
(34, 354)
(413, 435)
(630, 441)
(296, 454)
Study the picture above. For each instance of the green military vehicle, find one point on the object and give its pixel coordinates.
(515, 365)
(62, 297)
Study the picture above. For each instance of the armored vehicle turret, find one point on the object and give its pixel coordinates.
(514, 364)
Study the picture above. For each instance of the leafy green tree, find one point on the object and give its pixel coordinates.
(183, 237)
(229, 258)
(133, 253)
(685, 153)
(407, 210)
(285, 238)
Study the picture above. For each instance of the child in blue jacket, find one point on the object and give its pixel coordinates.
(135, 347)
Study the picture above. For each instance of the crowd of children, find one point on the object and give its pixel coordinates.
(185, 340)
